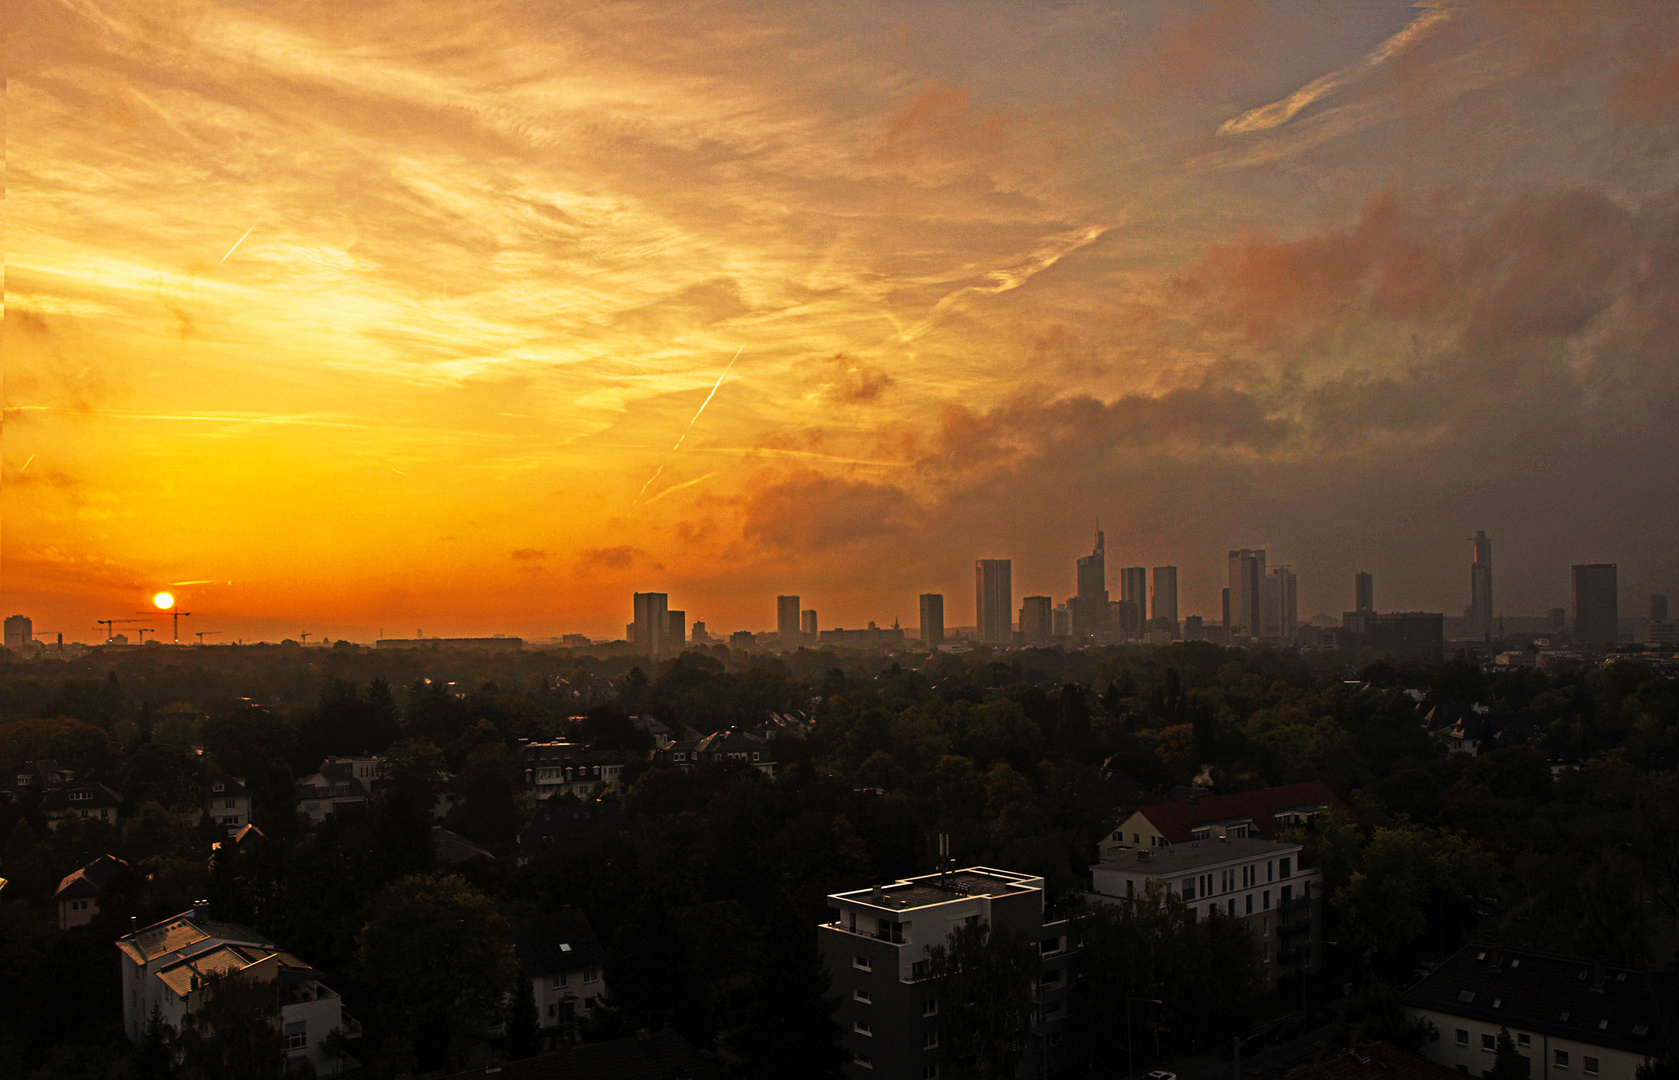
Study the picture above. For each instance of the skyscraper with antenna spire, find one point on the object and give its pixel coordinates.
(1090, 606)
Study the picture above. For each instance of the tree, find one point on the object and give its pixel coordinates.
(435, 959)
(524, 1036)
(489, 808)
(985, 976)
(790, 1028)
(234, 1034)
(1507, 1064)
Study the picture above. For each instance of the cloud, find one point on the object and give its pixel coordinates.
(529, 555)
(1192, 51)
(803, 512)
(612, 559)
(844, 380)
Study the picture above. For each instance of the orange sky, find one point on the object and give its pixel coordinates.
(1223, 274)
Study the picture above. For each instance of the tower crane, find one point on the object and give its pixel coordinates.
(109, 623)
(178, 615)
(204, 633)
(143, 631)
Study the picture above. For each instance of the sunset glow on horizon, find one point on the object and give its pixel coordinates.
(480, 317)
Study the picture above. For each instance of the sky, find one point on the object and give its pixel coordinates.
(477, 317)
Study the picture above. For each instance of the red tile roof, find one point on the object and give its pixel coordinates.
(1176, 820)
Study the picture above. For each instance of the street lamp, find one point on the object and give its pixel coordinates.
(1130, 1045)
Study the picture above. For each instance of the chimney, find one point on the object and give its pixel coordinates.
(200, 911)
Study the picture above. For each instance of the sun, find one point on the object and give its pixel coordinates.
(164, 601)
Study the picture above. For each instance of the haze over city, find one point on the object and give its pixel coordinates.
(478, 318)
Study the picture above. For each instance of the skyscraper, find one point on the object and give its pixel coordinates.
(1597, 605)
(1364, 593)
(1282, 610)
(994, 601)
(19, 631)
(932, 620)
(1166, 593)
(807, 623)
(1480, 588)
(1036, 620)
(1133, 587)
(676, 624)
(652, 622)
(787, 618)
(1090, 608)
(1247, 585)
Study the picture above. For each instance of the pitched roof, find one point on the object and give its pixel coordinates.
(232, 787)
(95, 796)
(555, 942)
(550, 821)
(452, 847)
(1617, 1008)
(1375, 1061)
(180, 932)
(1176, 820)
(85, 884)
(658, 1055)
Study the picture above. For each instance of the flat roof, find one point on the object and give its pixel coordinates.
(930, 889)
(1180, 858)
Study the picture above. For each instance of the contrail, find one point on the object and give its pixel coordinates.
(236, 244)
(679, 487)
(708, 398)
(202, 581)
(26, 464)
(649, 483)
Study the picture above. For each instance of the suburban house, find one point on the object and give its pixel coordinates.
(1268, 813)
(1572, 1019)
(335, 785)
(77, 896)
(229, 802)
(1259, 881)
(734, 744)
(562, 958)
(167, 967)
(563, 768)
(552, 820)
(875, 947)
(80, 799)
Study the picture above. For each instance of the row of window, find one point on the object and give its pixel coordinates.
(589, 975)
(1275, 870)
(1560, 1059)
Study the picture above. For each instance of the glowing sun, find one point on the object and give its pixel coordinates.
(164, 601)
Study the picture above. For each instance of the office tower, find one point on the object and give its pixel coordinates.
(1480, 588)
(652, 622)
(1061, 622)
(932, 620)
(1281, 603)
(1597, 611)
(677, 623)
(1133, 587)
(1247, 590)
(1166, 594)
(994, 601)
(1364, 593)
(1192, 628)
(787, 618)
(1090, 608)
(807, 623)
(699, 635)
(1036, 624)
(1658, 613)
(19, 631)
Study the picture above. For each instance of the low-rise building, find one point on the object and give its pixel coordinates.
(733, 744)
(562, 958)
(1268, 812)
(564, 768)
(553, 820)
(77, 895)
(335, 786)
(1258, 881)
(876, 949)
(166, 968)
(1571, 1019)
(229, 802)
(86, 799)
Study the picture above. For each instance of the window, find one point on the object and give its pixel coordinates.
(1464, 1069)
(862, 995)
(1462, 1037)
(1212, 910)
(1267, 954)
(227, 804)
(929, 1072)
(556, 981)
(1285, 894)
(1053, 1007)
(1591, 1066)
(1561, 1059)
(1270, 871)
(1232, 903)
(921, 969)
(1189, 888)
(930, 1007)
(1524, 1040)
(1250, 904)
(862, 1027)
(297, 1036)
(1051, 978)
(1267, 898)
(861, 963)
(1283, 867)
(1489, 1043)
(1050, 945)
(930, 1041)
(862, 1060)
(1136, 838)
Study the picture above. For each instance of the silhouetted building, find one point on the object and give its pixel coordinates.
(994, 601)
(1061, 622)
(652, 622)
(1126, 617)
(1658, 608)
(1193, 630)
(1036, 627)
(807, 623)
(1089, 609)
(1364, 592)
(700, 636)
(1480, 588)
(932, 619)
(677, 628)
(874, 637)
(1133, 589)
(787, 618)
(1281, 605)
(1166, 594)
(1419, 635)
(1247, 592)
(1597, 612)
(19, 631)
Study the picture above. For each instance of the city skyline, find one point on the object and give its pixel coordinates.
(335, 320)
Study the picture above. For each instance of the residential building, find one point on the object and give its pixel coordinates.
(169, 965)
(338, 783)
(564, 768)
(78, 892)
(229, 802)
(551, 821)
(19, 631)
(1267, 812)
(1479, 615)
(1036, 627)
(1282, 610)
(700, 635)
(875, 947)
(652, 623)
(1166, 595)
(1061, 622)
(1571, 1019)
(562, 958)
(1364, 593)
(994, 601)
(1597, 610)
(1263, 882)
(1193, 628)
(733, 744)
(676, 633)
(1089, 609)
(787, 619)
(874, 637)
(807, 624)
(932, 620)
(1247, 584)
(87, 799)
(743, 639)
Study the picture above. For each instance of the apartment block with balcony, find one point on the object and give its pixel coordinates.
(876, 948)
(1259, 881)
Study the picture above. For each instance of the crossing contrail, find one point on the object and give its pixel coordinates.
(649, 483)
(708, 397)
(236, 244)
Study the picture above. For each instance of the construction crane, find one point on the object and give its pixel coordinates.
(304, 638)
(179, 615)
(203, 633)
(143, 631)
(109, 623)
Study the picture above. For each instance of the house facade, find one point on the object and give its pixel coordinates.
(229, 802)
(86, 799)
(561, 957)
(1267, 813)
(563, 768)
(78, 892)
(338, 784)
